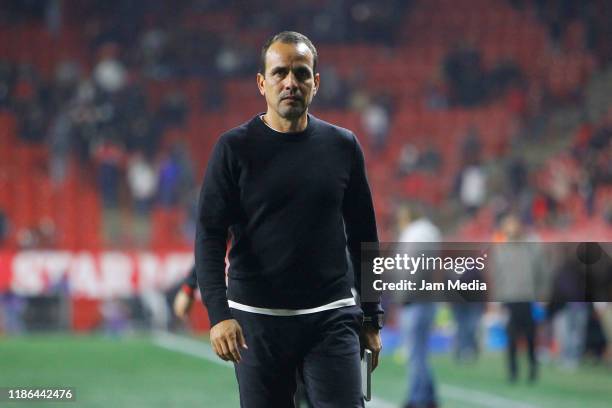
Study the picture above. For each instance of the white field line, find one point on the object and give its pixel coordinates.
(479, 398)
(379, 403)
(203, 350)
(189, 346)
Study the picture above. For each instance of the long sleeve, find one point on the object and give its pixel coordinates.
(215, 214)
(359, 219)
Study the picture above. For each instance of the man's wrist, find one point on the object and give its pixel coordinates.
(371, 308)
(188, 290)
(218, 311)
(375, 321)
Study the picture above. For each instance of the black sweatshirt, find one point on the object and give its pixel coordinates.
(287, 199)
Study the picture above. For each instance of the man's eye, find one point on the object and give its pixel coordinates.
(304, 75)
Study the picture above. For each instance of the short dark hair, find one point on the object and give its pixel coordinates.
(288, 37)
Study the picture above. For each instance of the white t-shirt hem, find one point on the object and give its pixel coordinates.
(292, 312)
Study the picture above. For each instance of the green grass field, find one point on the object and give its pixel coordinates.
(136, 372)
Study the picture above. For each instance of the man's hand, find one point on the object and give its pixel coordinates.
(370, 339)
(226, 338)
(182, 304)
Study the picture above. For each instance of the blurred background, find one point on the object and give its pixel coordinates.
(468, 111)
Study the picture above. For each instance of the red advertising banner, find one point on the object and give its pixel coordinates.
(94, 275)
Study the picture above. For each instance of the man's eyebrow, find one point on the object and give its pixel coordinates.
(278, 69)
(301, 69)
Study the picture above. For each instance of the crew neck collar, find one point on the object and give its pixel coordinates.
(267, 130)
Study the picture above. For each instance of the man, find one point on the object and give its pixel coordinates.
(418, 233)
(520, 276)
(183, 300)
(292, 191)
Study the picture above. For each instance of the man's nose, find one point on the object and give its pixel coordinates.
(290, 81)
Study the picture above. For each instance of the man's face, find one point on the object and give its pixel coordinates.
(289, 82)
(511, 226)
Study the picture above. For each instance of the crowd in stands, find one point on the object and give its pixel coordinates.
(92, 109)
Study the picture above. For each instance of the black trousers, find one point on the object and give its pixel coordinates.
(521, 324)
(323, 348)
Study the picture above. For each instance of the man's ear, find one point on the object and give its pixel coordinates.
(317, 81)
(260, 84)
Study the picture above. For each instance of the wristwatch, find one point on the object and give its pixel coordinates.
(376, 321)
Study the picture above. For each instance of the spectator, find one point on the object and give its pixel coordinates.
(468, 313)
(153, 46)
(115, 313)
(27, 238)
(173, 110)
(86, 115)
(110, 157)
(431, 159)
(505, 75)
(471, 148)
(66, 80)
(472, 188)
(33, 122)
(12, 310)
(143, 133)
(175, 177)
(463, 71)
(47, 233)
(335, 94)
(569, 293)
(467, 319)
(436, 95)
(228, 61)
(516, 176)
(417, 317)
(110, 75)
(142, 182)
(375, 120)
(518, 274)
(408, 159)
(59, 147)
